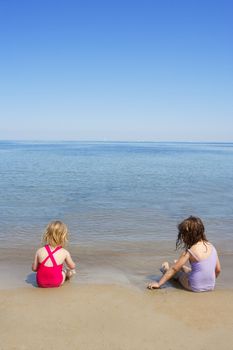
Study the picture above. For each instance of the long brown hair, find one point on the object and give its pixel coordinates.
(191, 231)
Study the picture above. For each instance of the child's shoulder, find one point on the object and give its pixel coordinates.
(202, 248)
(65, 251)
(43, 250)
(40, 250)
(202, 244)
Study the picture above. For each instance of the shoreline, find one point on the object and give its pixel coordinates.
(136, 266)
(103, 317)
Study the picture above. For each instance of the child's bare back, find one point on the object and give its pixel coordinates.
(49, 260)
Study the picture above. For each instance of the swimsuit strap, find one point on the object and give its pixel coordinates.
(193, 254)
(50, 255)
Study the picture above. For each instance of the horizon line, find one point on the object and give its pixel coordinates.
(111, 141)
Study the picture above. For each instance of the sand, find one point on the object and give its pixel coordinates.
(119, 315)
(114, 317)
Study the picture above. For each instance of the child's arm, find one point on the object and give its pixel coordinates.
(69, 262)
(217, 268)
(172, 271)
(35, 263)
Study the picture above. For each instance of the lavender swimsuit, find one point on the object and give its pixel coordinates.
(202, 276)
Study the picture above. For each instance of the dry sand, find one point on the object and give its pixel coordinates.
(114, 317)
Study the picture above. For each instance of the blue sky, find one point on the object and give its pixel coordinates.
(116, 70)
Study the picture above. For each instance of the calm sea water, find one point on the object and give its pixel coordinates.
(114, 192)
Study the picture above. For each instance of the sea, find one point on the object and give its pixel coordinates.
(122, 202)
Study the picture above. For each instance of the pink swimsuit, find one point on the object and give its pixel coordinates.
(49, 276)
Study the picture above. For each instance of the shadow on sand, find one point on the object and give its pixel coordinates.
(31, 279)
(170, 284)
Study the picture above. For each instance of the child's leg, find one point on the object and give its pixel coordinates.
(164, 267)
(185, 268)
(183, 279)
(70, 273)
(179, 275)
(63, 276)
(67, 274)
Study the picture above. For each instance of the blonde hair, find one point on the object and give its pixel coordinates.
(56, 233)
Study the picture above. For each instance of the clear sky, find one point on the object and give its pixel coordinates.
(116, 70)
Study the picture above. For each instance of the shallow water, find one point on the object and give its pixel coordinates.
(115, 196)
(133, 264)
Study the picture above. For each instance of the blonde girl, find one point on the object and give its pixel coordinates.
(49, 260)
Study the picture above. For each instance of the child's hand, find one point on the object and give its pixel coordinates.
(153, 285)
(70, 273)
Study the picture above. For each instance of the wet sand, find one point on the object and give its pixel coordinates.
(127, 264)
(98, 317)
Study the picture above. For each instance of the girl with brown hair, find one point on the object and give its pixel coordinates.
(201, 254)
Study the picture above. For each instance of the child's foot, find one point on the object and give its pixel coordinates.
(164, 267)
(70, 274)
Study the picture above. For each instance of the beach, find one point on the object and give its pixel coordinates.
(122, 203)
(116, 144)
(98, 317)
(107, 307)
